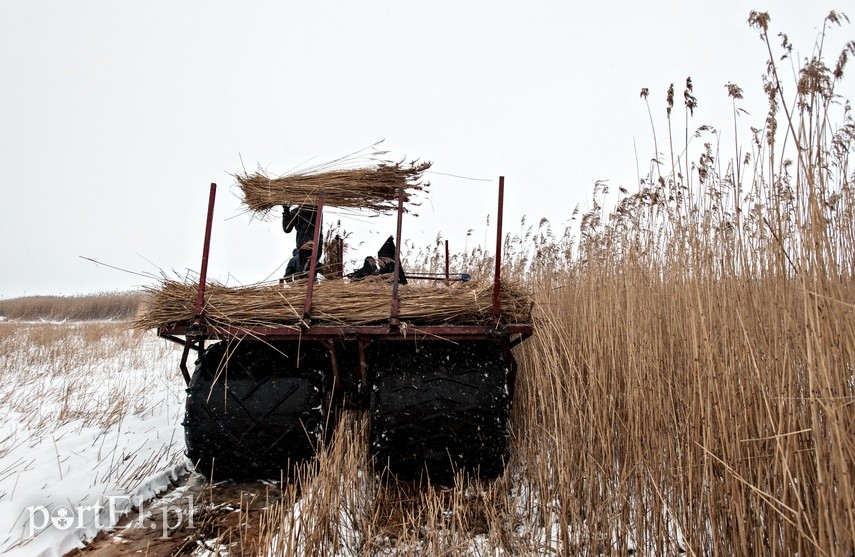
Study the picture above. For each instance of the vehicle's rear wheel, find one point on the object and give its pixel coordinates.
(254, 409)
(439, 407)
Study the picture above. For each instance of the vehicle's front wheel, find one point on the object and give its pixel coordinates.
(254, 409)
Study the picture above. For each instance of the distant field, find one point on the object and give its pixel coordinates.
(88, 307)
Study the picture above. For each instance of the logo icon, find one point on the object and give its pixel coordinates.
(62, 518)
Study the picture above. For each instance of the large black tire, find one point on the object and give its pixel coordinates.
(438, 407)
(251, 412)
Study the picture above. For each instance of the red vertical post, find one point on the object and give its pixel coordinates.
(497, 280)
(393, 318)
(313, 262)
(447, 281)
(203, 272)
(340, 256)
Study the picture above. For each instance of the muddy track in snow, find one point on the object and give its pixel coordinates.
(194, 518)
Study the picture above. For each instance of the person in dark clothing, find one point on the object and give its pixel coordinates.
(383, 265)
(301, 219)
(369, 267)
(386, 258)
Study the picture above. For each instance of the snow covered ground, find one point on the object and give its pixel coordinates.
(90, 423)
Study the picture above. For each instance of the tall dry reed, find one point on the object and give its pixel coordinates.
(84, 307)
(691, 384)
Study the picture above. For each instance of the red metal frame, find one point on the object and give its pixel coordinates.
(322, 332)
(393, 317)
(340, 256)
(196, 333)
(438, 277)
(447, 282)
(206, 247)
(497, 281)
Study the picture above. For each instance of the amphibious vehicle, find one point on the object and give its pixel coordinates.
(438, 386)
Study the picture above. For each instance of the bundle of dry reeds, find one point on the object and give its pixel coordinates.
(375, 187)
(334, 302)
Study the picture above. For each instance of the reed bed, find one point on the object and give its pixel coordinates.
(697, 349)
(373, 187)
(334, 302)
(88, 307)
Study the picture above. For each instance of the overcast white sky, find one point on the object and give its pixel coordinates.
(116, 116)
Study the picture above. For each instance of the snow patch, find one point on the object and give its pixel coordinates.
(64, 479)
